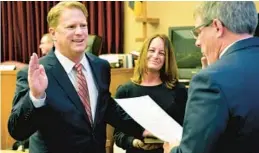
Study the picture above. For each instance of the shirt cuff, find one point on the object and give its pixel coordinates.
(38, 102)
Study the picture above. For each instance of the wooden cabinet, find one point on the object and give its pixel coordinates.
(8, 80)
(118, 77)
(8, 83)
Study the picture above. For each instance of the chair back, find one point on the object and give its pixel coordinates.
(94, 44)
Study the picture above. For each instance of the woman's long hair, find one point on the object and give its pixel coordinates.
(168, 72)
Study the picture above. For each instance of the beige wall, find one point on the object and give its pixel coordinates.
(169, 13)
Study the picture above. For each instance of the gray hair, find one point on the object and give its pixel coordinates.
(238, 16)
(48, 36)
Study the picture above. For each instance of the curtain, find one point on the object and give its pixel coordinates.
(24, 22)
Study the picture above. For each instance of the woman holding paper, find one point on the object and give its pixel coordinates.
(155, 75)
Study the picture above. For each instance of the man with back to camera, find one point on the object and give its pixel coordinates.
(222, 108)
(46, 44)
(52, 104)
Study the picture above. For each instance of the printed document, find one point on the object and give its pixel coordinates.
(152, 117)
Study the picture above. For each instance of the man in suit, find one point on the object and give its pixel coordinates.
(62, 101)
(257, 29)
(222, 107)
(46, 44)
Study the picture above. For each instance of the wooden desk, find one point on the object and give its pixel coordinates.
(14, 151)
(8, 84)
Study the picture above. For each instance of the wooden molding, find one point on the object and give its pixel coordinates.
(140, 39)
(148, 20)
(145, 20)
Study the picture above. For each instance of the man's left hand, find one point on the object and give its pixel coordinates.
(146, 133)
(169, 146)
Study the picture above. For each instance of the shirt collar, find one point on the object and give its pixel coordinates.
(67, 63)
(225, 50)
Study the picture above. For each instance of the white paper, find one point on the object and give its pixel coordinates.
(153, 118)
(7, 67)
(111, 58)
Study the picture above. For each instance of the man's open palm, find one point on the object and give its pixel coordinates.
(37, 77)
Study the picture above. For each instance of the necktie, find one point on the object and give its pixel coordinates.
(82, 90)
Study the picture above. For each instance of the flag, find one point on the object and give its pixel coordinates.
(136, 6)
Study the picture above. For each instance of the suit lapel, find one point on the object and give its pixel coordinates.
(94, 67)
(93, 62)
(63, 80)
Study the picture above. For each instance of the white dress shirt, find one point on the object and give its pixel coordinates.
(68, 66)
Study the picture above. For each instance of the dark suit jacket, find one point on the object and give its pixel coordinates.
(62, 125)
(222, 111)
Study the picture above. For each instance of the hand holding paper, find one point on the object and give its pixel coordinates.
(137, 143)
(140, 144)
(146, 133)
(150, 138)
(169, 146)
(153, 118)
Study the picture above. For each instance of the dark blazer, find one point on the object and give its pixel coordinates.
(62, 125)
(222, 111)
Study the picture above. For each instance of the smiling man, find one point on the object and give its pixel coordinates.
(62, 101)
(222, 108)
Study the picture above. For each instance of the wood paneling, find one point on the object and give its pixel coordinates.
(8, 79)
(119, 77)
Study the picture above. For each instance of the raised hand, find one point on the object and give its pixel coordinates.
(37, 77)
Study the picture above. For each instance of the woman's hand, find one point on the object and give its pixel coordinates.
(141, 145)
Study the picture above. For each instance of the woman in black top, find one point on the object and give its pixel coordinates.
(155, 75)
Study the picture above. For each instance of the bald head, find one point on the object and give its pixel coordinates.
(46, 44)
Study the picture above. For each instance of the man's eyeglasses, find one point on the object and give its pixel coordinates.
(196, 31)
